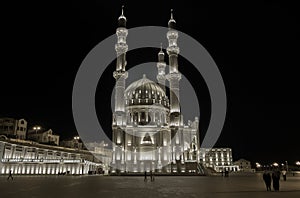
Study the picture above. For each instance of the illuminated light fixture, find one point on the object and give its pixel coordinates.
(36, 128)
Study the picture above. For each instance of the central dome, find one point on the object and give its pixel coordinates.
(145, 92)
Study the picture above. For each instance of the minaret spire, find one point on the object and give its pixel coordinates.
(174, 75)
(172, 22)
(122, 19)
(161, 66)
(120, 74)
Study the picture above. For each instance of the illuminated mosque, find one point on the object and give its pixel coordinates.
(148, 129)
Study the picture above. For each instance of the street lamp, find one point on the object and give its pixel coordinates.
(275, 164)
(36, 128)
(76, 138)
(298, 163)
(258, 165)
(77, 142)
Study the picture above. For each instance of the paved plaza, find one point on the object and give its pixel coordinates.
(134, 186)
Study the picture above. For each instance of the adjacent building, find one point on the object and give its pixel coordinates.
(14, 128)
(43, 136)
(220, 159)
(74, 143)
(244, 165)
(28, 157)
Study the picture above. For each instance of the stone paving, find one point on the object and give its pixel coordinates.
(241, 186)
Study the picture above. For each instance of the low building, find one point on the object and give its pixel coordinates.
(244, 165)
(13, 128)
(28, 157)
(220, 159)
(74, 143)
(44, 137)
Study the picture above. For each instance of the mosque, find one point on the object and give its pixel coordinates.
(148, 129)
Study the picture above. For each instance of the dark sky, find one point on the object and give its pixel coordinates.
(254, 44)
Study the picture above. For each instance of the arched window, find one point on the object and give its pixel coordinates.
(147, 139)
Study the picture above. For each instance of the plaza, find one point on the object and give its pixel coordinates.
(248, 185)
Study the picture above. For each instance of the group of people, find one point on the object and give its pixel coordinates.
(225, 173)
(275, 177)
(151, 176)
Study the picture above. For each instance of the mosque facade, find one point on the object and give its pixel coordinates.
(148, 129)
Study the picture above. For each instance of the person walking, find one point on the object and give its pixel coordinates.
(226, 173)
(10, 175)
(151, 176)
(267, 180)
(284, 174)
(145, 176)
(276, 178)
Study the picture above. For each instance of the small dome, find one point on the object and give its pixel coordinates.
(145, 92)
(161, 55)
(172, 22)
(122, 19)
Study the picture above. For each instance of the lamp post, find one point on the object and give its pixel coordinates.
(76, 138)
(298, 164)
(275, 164)
(36, 128)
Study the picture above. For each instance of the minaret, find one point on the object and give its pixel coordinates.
(120, 74)
(174, 76)
(161, 66)
(119, 115)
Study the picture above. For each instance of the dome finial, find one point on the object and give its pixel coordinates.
(172, 21)
(161, 54)
(122, 14)
(122, 19)
(144, 76)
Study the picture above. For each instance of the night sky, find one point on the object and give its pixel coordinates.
(255, 45)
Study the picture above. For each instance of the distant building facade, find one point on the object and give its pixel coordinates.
(220, 159)
(13, 128)
(244, 165)
(72, 143)
(43, 137)
(27, 157)
(104, 152)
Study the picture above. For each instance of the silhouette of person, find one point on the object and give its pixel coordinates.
(226, 173)
(267, 180)
(145, 178)
(152, 176)
(284, 174)
(10, 175)
(276, 178)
